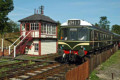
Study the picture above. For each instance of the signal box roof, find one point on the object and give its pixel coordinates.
(38, 17)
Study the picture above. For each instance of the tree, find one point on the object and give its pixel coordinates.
(58, 29)
(96, 24)
(6, 6)
(104, 23)
(116, 29)
(12, 26)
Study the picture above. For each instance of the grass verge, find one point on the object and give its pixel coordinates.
(113, 60)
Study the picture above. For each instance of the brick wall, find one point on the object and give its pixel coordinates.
(6, 52)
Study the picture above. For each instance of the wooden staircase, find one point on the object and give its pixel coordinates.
(20, 47)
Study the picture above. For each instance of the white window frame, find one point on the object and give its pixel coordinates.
(36, 47)
(34, 26)
(23, 25)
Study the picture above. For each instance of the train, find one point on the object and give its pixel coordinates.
(79, 38)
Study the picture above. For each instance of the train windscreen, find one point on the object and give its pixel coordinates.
(80, 34)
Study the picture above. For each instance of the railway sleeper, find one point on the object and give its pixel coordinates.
(29, 73)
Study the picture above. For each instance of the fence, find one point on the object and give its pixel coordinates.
(5, 53)
(79, 73)
(82, 72)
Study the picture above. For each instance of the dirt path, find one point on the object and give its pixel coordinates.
(110, 70)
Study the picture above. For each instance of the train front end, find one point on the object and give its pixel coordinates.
(74, 40)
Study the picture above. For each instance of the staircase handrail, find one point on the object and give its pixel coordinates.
(14, 43)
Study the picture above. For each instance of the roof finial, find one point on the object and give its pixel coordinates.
(42, 12)
(35, 11)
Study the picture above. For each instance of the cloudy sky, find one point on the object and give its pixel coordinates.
(62, 10)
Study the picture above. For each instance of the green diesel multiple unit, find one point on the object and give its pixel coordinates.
(79, 37)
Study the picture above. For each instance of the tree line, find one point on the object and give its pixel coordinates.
(105, 24)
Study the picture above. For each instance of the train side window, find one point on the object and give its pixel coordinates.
(96, 35)
(92, 35)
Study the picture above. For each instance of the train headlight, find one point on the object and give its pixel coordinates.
(81, 46)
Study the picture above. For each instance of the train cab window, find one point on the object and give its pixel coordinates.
(73, 34)
(64, 34)
(82, 34)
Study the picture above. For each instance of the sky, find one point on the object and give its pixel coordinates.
(62, 10)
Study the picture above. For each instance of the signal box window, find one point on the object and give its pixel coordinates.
(23, 27)
(48, 29)
(34, 26)
(36, 47)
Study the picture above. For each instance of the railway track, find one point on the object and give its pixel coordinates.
(42, 72)
(22, 70)
(41, 69)
(35, 71)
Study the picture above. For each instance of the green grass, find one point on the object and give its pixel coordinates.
(114, 59)
(27, 57)
(7, 61)
(93, 75)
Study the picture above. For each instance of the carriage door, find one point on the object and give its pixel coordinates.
(27, 28)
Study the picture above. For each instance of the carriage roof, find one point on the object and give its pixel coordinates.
(86, 24)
